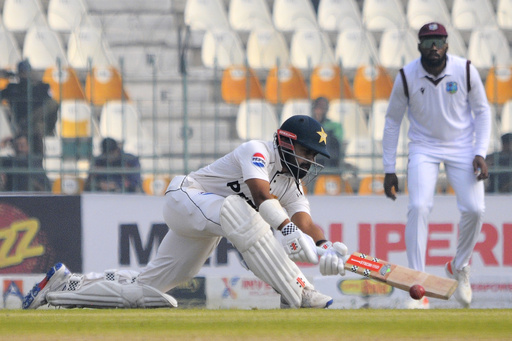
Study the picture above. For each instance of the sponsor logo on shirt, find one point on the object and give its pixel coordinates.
(451, 87)
(258, 160)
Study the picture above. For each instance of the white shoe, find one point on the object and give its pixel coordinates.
(422, 303)
(311, 299)
(463, 294)
(55, 279)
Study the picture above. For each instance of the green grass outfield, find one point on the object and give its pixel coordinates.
(304, 324)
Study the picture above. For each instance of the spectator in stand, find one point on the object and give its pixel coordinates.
(22, 171)
(114, 170)
(500, 180)
(33, 109)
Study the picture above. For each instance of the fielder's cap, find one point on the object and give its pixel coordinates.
(432, 29)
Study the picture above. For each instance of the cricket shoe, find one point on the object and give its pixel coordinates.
(56, 278)
(463, 293)
(422, 303)
(310, 299)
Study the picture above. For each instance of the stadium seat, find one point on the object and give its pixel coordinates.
(470, 14)
(488, 47)
(326, 81)
(506, 118)
(76, 119)
(371, 184)
(295, 107)
(66, 15)
(365, 154)
(206, 15)
(130, 6)
(20, 15)
(337, 15)
(104, 84)
(289, 15)
(330, 184)
(266, 48)
(5, 126)
(504, 14)
(351, 116)
(120, 120)
(495, 139)
(420, 12)
(11, 54)
(379, 15)
(43, 48)
(498, 84)
(256, 119)
(247, 15)
(240, 83)
(222, 48)
(285, 83)
(155, 185)
(310, 48)
(355, 47)
(398, 47)
(68, 184)
(87, 47)
(456, 42)
(371, 83)
(64, 84)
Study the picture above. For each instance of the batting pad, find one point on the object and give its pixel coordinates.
(251, 235)
(109, 293)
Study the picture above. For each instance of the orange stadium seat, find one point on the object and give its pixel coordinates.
(155, 185)
(326, 82)
(240, 83)
(329, 184)
(371, 83)
(371, 184)
(498, 84)
(284, 84)
(68, 184)
(65, 85)
(104, 84)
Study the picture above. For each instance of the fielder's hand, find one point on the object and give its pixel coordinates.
(333, 257)
(480, 168)
(390, 182)
(299, 246)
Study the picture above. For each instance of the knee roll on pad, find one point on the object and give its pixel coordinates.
(264, 255)
(107, 292)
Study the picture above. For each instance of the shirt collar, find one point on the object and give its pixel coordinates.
(448, 69)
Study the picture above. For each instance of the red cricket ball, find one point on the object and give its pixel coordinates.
(417, 291)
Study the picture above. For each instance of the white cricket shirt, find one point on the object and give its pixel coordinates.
(440, 115)
(251, 160)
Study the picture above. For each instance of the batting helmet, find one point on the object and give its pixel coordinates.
(307, 132)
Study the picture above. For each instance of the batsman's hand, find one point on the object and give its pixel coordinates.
(333, 257)
(299, 246)
(390, 183)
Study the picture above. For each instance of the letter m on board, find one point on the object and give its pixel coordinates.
(130, 237)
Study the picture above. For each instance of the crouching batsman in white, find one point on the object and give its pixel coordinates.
(240, 197)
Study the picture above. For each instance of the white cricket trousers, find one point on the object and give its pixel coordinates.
(193, 217)
(422, 176)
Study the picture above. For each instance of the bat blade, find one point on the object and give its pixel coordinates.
(400, 277)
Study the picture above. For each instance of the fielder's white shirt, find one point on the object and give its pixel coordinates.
(440, 116)
(251, 160)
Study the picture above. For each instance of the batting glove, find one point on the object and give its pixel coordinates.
(333, 257)
(299, 246)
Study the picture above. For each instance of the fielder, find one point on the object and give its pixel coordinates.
(449, 123)
(240, 197)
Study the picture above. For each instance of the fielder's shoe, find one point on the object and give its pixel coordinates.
(422, 303)
(311, 299)
(463, 294)
(55, 279)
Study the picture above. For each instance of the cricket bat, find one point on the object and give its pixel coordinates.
(400, 277)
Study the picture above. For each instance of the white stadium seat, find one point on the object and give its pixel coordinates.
(266, 48)
(470, 14)
(504, 14)
(420, 12)
(506, 118)
(247, 15)
(222, 48)
(337, 15)
(379, 15)
(488, 47)
(11, 53)
(351, 116)
(66, 15)
(201, 15)
(256, 119)
(86, 44)
(310, 48)
(289, 15)
(20, 15)
(398, 47)
(294, 107)
(355, 47)
(130, 6)
(42, 47)
(456, 43)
